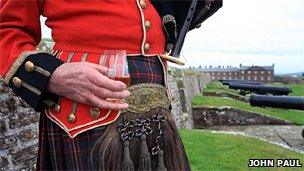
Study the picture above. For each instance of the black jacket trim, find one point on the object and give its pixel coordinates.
(24, 78)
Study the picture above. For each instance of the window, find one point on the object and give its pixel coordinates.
(255, 78)
(224, 73)
(262, 72)
(212, 73)
(249, 72)
(218, 73)
(229, 73)
(262, 78)
(255, 72)
(242, 77)
(248, 78)
(268, 78)
(212, 77)
(269, 72)
(243, 72)
(235, 73)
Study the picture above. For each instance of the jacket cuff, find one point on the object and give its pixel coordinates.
(29, 76)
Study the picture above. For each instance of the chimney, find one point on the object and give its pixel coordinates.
(240, 65)
(210, 66)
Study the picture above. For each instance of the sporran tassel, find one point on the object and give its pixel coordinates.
(160, 164)
(127, 164)
(145, 158)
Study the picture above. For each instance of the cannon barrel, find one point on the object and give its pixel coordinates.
(286, 102)
(231, 81)
(243, 82)
(261, 89)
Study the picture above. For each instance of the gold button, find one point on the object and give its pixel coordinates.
(29, 66)
(72, 118)
(142, 4)
(146, 47)
(147, 25)
(57, 108)
(94, 113)
(17, 82)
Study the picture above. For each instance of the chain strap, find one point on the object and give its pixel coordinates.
(142, 126)
(158, 119)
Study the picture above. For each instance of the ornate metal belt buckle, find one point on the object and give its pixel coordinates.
(147, 96)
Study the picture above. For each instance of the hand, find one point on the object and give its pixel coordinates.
(88, 83)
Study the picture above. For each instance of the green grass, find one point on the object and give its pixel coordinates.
(297, 89)
(217, 86)
(295, 116)
(212, 151)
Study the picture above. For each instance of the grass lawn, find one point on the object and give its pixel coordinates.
(296, 116)
(212, 151)
(297, 89)
(217, 86)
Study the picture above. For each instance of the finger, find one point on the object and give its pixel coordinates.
(101, 103)
(102, 69)
(104, 93)
(105, 82)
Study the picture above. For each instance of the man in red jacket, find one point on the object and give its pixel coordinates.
(79, 128)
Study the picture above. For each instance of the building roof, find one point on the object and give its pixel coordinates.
(267, 68)
(217, 69)
(233, 69)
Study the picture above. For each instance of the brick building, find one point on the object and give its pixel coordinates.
(264, 74)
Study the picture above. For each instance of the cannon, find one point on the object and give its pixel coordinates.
(260, 89)
(243, 82)
(227, 82)
(287, 102)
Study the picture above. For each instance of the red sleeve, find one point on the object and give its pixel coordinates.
(24, 69)
(19, 30)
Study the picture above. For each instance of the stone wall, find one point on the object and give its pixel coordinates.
(18, 132)
(184, 85)
(211, 116)
(19, 123)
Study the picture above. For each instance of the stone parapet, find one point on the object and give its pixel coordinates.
(184, 85)
(204, 117)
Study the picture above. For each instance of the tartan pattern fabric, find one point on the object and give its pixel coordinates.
(145, 70)
(57, 151)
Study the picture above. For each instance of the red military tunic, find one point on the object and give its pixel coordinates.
(78, 28)
(82, 26)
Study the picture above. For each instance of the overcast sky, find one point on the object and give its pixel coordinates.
(255, 32)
